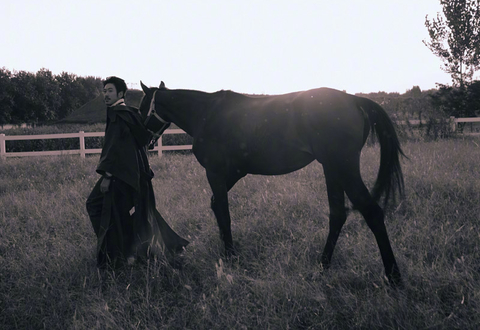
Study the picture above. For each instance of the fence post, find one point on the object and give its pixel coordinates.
(3, 149)
(160, 146)
(453, 126)
(82, 143)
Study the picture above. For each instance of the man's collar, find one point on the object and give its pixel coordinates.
(119, 102)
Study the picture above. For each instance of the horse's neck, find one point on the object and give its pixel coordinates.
(192, 111)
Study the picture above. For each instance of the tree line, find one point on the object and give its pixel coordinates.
(442, 102)
(432, 107)
(43, 97)
(454, 37)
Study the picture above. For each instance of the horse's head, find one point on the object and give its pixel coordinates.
(149, 95)
(153, 114)
(186, 108)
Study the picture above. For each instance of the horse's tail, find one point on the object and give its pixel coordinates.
(390, 177)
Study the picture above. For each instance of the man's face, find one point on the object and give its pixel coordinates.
(110, 94)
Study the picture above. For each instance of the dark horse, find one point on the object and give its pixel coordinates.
(235, 134)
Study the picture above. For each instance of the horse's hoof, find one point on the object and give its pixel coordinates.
(324, 266)
(395, 281)
(230, 253)
(176, 262)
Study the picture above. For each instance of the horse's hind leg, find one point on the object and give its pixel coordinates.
(374, 216)
(338, 215)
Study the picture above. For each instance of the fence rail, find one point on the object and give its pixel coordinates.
(159, 147)
(454, 120)
(466, 120)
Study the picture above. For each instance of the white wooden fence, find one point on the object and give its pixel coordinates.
(159, 147)
(465, 120)
(453, 122)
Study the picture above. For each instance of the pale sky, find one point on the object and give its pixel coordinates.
(260, 47)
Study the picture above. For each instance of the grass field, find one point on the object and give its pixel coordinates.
(48, 277)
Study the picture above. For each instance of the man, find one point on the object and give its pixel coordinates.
(121, 206)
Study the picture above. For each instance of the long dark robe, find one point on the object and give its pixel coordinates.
(125, 218)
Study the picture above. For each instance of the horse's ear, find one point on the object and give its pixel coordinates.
(144, 88)
(162, 85)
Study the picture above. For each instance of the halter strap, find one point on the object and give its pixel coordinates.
(153, 112)
(152, 122)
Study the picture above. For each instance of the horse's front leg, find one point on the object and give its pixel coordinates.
(219, 206)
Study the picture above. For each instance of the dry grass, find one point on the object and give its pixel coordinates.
(48, 277)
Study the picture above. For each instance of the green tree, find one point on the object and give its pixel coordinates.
(414, 92)
(76, 91)
(6, 96)
(473, 99)
(24, 97)
(48, 96)
(92, 87)
(68, 84)
(455, 38)
(27, 97)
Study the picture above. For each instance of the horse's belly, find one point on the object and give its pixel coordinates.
(276, 162)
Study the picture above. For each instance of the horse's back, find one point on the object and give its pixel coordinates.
(319, 114)
(281, 133)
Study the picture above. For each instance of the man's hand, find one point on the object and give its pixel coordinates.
(105, 185)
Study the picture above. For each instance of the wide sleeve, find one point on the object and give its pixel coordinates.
(119, 153)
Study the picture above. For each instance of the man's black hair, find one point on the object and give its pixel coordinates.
(119, 84)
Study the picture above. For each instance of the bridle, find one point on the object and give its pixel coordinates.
(153, 112)
(154, 122)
